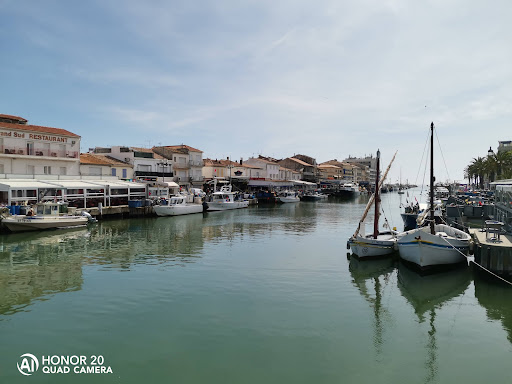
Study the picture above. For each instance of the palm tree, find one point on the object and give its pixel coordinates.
(478, 169)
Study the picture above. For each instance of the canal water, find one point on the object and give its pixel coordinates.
(259, 295)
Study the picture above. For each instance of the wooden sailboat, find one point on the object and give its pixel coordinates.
(378, 243)
(436, 244)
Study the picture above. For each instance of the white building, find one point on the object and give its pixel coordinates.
(187, 163)
(146, 164)
(269, 169)
(36, 150)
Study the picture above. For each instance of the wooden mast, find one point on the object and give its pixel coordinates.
(432, 179)
(377, 199)
(372, 198)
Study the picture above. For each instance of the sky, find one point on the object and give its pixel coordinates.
(328, 79)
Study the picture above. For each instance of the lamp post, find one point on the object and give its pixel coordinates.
(164, 163)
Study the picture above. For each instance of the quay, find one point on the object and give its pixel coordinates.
(493, 251)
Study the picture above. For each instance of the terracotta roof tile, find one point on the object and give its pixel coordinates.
(181, 147)
(37, 128)
(89, 158)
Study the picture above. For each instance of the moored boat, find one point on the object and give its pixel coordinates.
(378, 243)
(288, 197)
(177, 205)
(436, 244)
(46, 215)
(225, 199)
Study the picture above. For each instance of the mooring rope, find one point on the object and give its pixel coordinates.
(473, 261)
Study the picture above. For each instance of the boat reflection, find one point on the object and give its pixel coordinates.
(371, 278)
(427, 294)
(36, 264)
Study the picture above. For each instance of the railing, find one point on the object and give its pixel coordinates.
(193, 163)
(37, 152)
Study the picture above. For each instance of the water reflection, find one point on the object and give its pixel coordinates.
(495, 298)
(427, 294)
(371, 278)
(35, 264)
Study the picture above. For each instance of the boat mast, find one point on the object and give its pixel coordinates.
(377, 199)
(432, 178)
(372, 198)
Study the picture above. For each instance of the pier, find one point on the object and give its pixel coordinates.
(493, 251)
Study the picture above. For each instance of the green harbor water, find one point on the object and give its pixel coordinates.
(258, 295)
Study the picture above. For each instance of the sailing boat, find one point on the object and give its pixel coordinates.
(378, 243)
(436, 244)
(400, 188)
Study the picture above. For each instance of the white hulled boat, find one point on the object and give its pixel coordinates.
(288, 197)
(46, 216)
(178, 205)
(378, 243)
(436, 244)
(225, 199)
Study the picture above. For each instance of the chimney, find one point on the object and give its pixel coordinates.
(241, 161)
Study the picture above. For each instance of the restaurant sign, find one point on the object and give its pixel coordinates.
(33, 136)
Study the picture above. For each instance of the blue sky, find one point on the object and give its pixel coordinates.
(240, 78)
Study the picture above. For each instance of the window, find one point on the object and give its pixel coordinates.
(114, 172)
(124, 173)
(63, 171)
(30, 148)
(47, 170)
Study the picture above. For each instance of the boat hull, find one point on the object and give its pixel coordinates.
(425, 250)
(224, 206)
(289, 199)
(166, 210)
(368, 247)
(34, 223)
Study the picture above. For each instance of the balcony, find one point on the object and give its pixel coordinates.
(192, 163)
(7, 150)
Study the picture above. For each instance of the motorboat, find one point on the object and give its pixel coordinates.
(177, 205)
(313, 196)
(46, 215)
(377, 243)
(288, 197)
(225, 199)
(435, 244)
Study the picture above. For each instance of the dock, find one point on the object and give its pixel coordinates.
(493, 251)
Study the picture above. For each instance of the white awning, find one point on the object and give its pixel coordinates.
(302, 182)
(170, 184)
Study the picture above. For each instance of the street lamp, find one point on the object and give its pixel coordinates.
(490, 152)
(164, 163)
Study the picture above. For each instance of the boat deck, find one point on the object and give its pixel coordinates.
(493, 254)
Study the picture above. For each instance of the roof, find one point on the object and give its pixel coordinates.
(300, 162)
(35, 128)
(7, 184)
(12, 117)
(262, 160)
(100, 159)
(148, 150)
(325, 166)
(182, 147)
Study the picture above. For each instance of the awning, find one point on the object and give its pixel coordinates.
(169, 184)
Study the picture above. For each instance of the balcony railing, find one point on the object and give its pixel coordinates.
(7, 150)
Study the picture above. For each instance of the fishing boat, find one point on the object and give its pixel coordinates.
(378, 243)
(225, 199)
(47, 215)
(436, 244)
(288, 197)
(177, 205)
